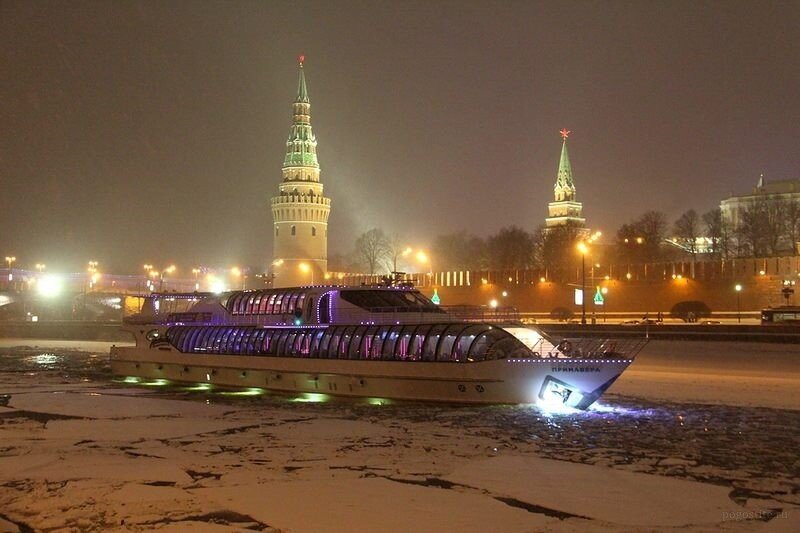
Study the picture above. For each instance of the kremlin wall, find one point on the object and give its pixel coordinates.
(650, 289)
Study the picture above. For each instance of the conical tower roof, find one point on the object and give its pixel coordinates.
(302, 90)
(301, 146)
(564, 178)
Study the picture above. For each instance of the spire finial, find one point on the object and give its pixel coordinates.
(301, 59)
(564, 133)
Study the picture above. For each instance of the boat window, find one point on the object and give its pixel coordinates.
(263, 308)
(230, 346)
(466, 339)
(431, 341)
(271, 304)
(331, 338)
(285, 342)
(403, 342)
(257, 341)
(223, 341)
(217, 339)
(366, 342)
(377, 342)
(285, 303)
(324, 309)
(417, 341)
(276, 305)
(390, 300)
(485, 343)
(248, 346)
(315, 343)
(199, 344)
(344, 342)
(254, 309)
(292, 303)
(247, 303)
(445, 352)
(191, 339)
(355, 342)
(389, 343)
(233, 303)
(268, 346)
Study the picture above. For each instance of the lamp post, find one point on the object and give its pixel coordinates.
(738, 289)
(582, 248)
(196, 272)
(10, 261)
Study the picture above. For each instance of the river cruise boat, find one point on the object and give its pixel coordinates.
(385, 342)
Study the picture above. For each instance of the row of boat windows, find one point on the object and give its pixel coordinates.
(424, 342)
(266, 302)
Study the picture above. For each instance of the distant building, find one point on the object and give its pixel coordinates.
(566, 209)
(783, 192)
(300, 211)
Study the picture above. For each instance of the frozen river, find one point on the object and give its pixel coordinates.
(676, 443)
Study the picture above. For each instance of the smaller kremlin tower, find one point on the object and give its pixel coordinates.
(566, 209)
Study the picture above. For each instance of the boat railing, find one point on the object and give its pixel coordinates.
(595, 348)
(483, 313)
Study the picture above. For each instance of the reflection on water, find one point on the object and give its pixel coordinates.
(751, 449)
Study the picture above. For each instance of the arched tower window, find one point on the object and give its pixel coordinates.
(313, 231)
(294, 230)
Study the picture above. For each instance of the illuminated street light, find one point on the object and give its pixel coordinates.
(196, 272)
(10, 261)
(40, 267)
(49, 286)
(582, 248)
(738, 289)
(306, 268)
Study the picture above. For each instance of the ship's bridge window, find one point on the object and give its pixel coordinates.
(398, 301)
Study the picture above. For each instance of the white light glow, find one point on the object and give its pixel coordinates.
(50, 286)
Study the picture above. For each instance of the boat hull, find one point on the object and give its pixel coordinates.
(571, 382)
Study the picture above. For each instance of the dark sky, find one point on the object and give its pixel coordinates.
(135, 132)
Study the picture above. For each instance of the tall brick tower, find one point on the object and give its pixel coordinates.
(300, 211)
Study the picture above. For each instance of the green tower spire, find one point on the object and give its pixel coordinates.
(301, 146)
(302, 90)
(565, 186)
(565, 209)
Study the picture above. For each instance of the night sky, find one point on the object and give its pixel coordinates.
(135, 132)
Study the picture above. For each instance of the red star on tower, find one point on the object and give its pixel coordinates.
(564, 133)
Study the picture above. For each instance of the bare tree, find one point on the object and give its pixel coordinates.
(687, 229)
(460, 251)
(510, 248)
(792, 220)
(555, 250)
(641, 239)
(373, 250)
(719, 231)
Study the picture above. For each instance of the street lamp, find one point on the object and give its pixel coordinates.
(169, 270)
(582, 248)
(306, 268)
(40, 267)
(738, 289)
(196, 272)
(604, 292)
(10, 260)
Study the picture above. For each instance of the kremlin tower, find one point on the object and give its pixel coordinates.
(566, 209)
(300, 211)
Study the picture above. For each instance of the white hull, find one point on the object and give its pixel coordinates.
(494, 381)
